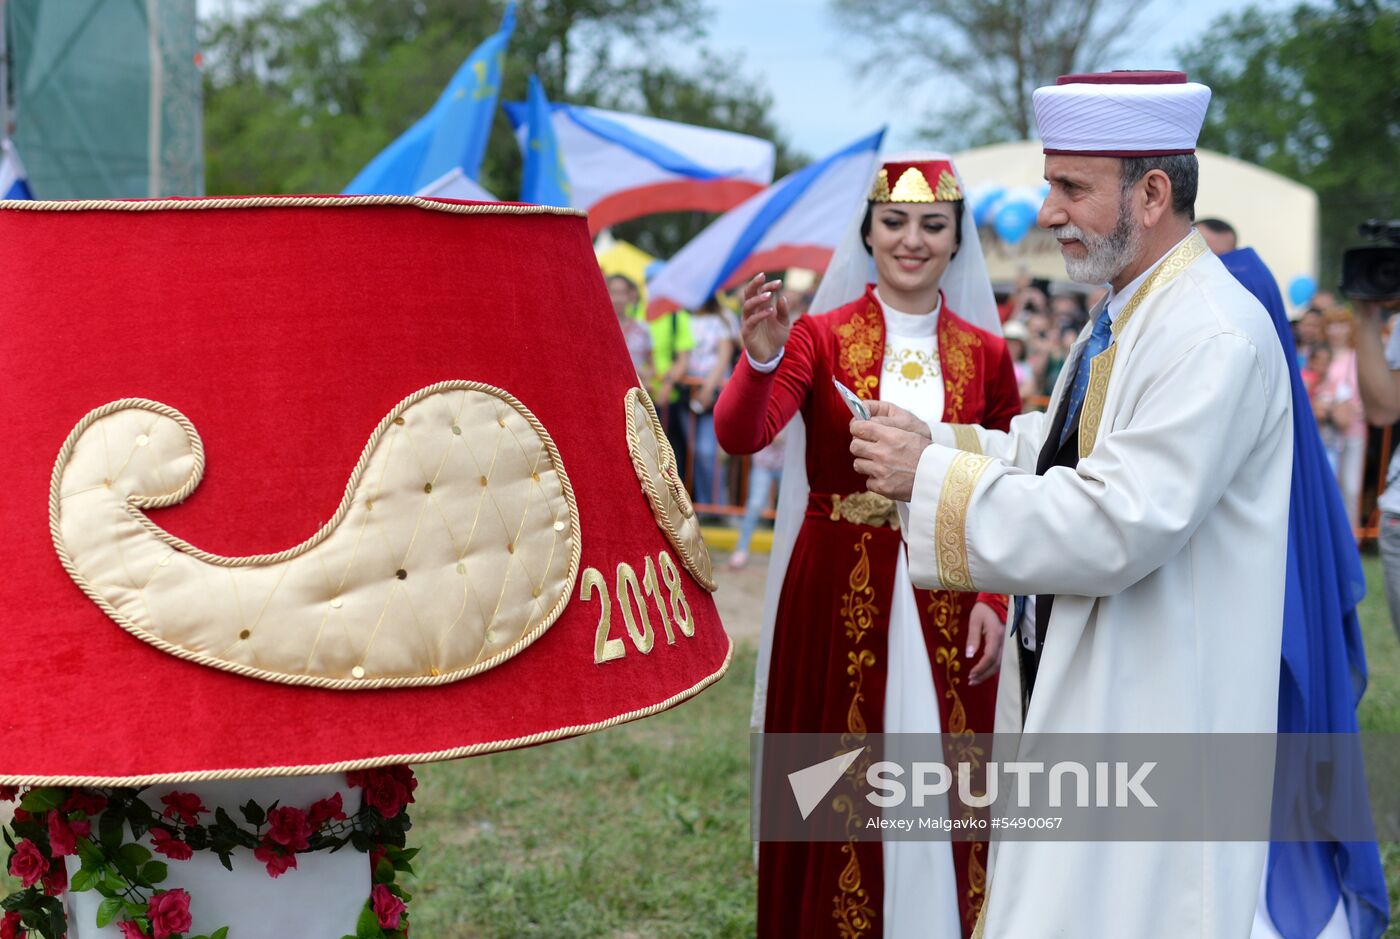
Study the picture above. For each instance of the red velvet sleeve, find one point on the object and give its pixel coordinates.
(1003, 403)
(1003, 396)
(754, 407)
(997, 601)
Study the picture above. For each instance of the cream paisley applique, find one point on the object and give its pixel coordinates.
(456, 545)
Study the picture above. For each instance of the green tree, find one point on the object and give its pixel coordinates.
(298, 97)
(999, 51)
(1314, 94)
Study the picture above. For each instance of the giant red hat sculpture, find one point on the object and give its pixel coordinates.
(314, 484)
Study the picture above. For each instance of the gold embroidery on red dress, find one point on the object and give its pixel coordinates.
(858, 604)
(955, 345)
(851, 906)
(862, 342)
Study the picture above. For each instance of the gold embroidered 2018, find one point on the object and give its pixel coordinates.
(632, 597)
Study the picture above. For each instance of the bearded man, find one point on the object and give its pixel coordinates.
(1146, 510)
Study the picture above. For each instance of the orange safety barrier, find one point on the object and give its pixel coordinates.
(1372, 528)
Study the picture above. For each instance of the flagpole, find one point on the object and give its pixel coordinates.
(156, 99)
(4, 72)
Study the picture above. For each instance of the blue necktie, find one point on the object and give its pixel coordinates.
(1098, 341)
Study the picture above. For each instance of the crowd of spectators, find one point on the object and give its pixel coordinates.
(1040, 323)
(686, 356)
(1325, 336)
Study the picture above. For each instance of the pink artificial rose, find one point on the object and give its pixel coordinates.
(56, 880)
(62, 842)
(130, 930)
(28, 863)
(89, 803)
(277, 862)
(326, 810)
(387, 907)
(289, 827)
(386, 796)
(166, 843)
(404, 774)
(8, 794)
(387, 790)
(185, 805)
(10, 927)
(170, 913)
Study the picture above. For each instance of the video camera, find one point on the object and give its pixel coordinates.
(1372, 272)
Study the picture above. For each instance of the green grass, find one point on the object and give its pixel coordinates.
(1380, 707)
(639, 832)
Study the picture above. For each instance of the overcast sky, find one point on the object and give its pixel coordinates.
(822, 102)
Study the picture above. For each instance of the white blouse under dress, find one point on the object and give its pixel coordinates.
(921, 891)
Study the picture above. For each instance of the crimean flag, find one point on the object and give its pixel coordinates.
(624, 166)
(797, 222)
(452, 134)
(545, 180)
(454, 184)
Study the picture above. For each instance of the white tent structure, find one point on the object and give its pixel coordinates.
(1273, 215)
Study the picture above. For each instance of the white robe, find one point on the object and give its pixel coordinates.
(1165, 549)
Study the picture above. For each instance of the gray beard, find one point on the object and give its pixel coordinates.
(1105, 255)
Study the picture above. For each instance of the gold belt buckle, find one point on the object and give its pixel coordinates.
(865, 508)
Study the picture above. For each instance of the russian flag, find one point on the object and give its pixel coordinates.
(14, 182)
(797, 222)
(623, 166)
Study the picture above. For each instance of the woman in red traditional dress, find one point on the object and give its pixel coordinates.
(849, 646)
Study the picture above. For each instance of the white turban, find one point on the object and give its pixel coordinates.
(1121, 114)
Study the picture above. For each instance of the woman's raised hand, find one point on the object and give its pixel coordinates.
(766, 322)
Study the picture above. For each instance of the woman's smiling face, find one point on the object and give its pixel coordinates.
(912, 243)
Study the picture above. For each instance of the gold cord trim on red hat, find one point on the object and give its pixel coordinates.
(278, 202)
(659, 474)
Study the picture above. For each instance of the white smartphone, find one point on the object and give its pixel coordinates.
(857, 406)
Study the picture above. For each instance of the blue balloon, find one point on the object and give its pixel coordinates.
(1301, 289)
(1013, 220)
(985, 203)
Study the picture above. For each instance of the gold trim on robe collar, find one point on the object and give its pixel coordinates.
(1101, 366)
